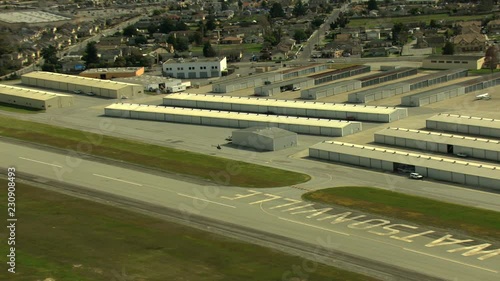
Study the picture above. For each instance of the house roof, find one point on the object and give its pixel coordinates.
(469, 38)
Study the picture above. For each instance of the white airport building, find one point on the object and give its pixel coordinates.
(33, 98)
(438, 168)
(485, 127)
(264, 138)
(300, 108)
(480, 148)
(194, 68)
(300, 125)
(70, 83)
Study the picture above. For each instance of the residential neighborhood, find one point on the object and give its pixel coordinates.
(239, 30)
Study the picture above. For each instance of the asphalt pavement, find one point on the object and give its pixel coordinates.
(278, 211)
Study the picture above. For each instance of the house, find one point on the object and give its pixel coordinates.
(75, 66)
(343, 37)
(279, 55)
(493, 27)
(459, 26)
(469, 43)
(378, 44)
(435, 41)
(110, 55)
(231, 40)
(253, 39)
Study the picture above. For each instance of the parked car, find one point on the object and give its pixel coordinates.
(90, 94)
(330, 61)
(416, 176)
(296, 89)
(124, 97)
(78, 92)
(463, 155)
(230, 138)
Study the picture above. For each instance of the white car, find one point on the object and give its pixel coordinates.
(463, 155)
(330, 61)
(416, 176)
(296, 89)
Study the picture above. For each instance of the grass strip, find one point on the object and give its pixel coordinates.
(474, 221)
(67, 239)
(215, 169)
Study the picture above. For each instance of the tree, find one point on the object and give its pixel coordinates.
(120, 62)
(152, 28)
(433, 24)
(492, 57)
(485, 6)
(317, 22)
(208, 50)
(240, 4)
(51, 61)
(141, 39)
(449, 48)
(130, 31)
(90, 57)
(372, 5)
(211, 23)
(180, 25)
(299, 35)
(276, 11)
(196, 38)
(299, 9)
(166, 26)
(181, 44)
(399, 33)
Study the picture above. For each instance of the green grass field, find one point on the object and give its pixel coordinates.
(374, 22)
(474, 221)
(70, 239)
(19, 109)
(215, 169)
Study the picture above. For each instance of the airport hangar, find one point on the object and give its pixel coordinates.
(399, 88)
(354, 84)
(461, 124)
(153, 83)
(63, 82)
(253, 81)
(301, 125)
(264, 138)
(309, 109)
(33, 98)
(437, 168)
(486, 149)
(113, 72)
(451, 91)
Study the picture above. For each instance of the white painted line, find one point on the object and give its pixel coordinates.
(97, 175)
(222, 204)
(310, 225)
(438, 257)
(40, 162)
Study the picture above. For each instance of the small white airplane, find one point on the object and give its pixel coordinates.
(483, 97)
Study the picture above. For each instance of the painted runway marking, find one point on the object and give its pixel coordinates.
(133, 183)
(222, 204)
(318, 227)
(450, 260)
(40, 162)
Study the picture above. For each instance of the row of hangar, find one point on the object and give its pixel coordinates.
(310, 109)
(434, 167)
(300, 125)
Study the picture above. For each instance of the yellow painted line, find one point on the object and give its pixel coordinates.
(314, 226)
(193, 197)
(110, 178)
(450, 260)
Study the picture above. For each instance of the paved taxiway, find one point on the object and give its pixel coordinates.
(276, 211)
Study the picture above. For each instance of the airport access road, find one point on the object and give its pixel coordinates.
(405, 247)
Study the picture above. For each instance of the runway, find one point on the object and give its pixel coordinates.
(277, 212)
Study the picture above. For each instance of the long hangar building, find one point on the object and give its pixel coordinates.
(309, 109)
(450, 170)
(301, 125)
(70, 83)
(33, 98)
